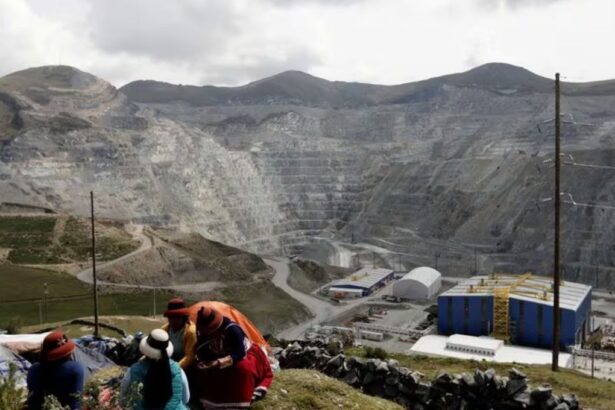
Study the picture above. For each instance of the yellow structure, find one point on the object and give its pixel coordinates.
(501, 286)
(500, 313)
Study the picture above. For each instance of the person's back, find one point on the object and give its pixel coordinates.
(163, 383)
(56, 375)
(138, 372)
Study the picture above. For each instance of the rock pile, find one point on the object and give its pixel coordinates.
(387, 379)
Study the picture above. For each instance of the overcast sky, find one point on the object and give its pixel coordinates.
(230, 42)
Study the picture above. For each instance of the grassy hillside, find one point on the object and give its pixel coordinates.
(60, 239)
(130, 324)
(592, 393)
(22, 301)
(22, 295)
(269, 307)
(309, 389)
(184, 258)
(306, 276)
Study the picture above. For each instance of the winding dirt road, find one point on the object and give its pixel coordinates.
(146, 244)
(321, 310)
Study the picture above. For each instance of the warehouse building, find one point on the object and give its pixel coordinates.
(515, 308)
(420, 283)
(484, 348)
(365, 281)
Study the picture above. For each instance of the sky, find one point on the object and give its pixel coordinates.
(233, 42)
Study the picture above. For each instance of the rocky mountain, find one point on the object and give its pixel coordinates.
(442, 169)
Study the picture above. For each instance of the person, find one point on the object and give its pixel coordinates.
(56, 374)
(230, 370)
(182, 332)
(156, 381)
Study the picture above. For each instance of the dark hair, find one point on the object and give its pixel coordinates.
(157, 389)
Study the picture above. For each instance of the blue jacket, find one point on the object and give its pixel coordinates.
(136, 374)
(64, 380)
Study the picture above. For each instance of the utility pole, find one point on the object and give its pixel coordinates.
(556, 311)
(475, 262)
(593, 349)
(45, 293)
(96, 330)
(154, 302)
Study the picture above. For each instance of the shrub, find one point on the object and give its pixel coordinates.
(376, 353)
(12, 397)
(14, 325)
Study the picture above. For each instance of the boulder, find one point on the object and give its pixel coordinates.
(516, 374)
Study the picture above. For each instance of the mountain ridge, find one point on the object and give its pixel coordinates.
(300, 88)
(290, 87)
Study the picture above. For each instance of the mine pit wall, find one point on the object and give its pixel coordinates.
(412, 180)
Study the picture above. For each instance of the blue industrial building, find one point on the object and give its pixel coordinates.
(365, 280)
(516, 308)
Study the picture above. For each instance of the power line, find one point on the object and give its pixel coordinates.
(578, 164)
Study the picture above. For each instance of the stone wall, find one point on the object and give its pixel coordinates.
(387, 379)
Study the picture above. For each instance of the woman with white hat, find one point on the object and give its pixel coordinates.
(156, 381)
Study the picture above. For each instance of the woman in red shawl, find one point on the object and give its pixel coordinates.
(231, 371)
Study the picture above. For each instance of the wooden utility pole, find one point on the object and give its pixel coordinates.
(556, 312)
(96, 330)
(45, 294)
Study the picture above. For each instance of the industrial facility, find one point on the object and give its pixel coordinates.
(516, 309)
(484, 348)
(361, 283)
(420, 283)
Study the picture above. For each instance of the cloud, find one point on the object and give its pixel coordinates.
(165, 30)
(516, 4)
(256, 66)
(234, 42)
(319, 2)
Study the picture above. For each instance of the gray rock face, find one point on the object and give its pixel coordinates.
(336, 170)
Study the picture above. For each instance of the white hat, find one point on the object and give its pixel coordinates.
(158, 339)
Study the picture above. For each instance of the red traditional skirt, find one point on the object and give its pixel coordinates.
(232, 387)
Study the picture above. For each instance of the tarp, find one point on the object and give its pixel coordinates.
(251, 331)
(23, 343)
(92, 360)
(6, 357)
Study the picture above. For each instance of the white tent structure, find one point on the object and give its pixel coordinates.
(419, 283)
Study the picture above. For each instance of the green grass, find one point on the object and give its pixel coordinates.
(30, 240)
(77, 241)
(25, 232)
(26, 224)
(130, 324)
(27, 284)
(592, 393)
(309, 389)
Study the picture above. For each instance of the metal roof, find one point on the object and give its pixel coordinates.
(338, 289)
(437, 346)
(532, 289)
(424, 275)
(363, 278)
(486, 343)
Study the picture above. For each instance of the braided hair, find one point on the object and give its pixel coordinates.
(157, 388)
